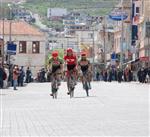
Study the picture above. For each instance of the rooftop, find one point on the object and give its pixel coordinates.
(19, 28)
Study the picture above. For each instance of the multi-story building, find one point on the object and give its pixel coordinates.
(30, 44)
(141, 15)
(74, 22)
(88, 43)
(56, 13)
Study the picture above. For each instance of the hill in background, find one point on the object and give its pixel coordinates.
(91, 7)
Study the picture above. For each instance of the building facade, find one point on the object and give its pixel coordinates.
(30, 44)
(56, 13)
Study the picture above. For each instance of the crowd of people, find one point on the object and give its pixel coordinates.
(13, 76)
(126, 75)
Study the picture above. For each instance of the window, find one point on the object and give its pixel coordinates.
(36, 47)
(22, 46)
(90, 35)
(137, 9)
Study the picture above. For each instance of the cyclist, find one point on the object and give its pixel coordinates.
(85, 67)
(71, 62)
(56, 66)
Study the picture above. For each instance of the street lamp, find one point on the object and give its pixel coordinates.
(10, 29)
(122, 38)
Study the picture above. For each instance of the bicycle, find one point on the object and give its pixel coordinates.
(55, 85)
(86, 83)
(71, 83)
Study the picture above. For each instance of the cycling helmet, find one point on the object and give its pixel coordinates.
(69, 50)
(55, 54)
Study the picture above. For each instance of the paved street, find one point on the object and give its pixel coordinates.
(112, 109)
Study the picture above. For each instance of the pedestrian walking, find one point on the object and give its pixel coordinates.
(15, 76)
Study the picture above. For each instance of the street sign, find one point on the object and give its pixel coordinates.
(118, 15)
(11, 48)
(113, 55)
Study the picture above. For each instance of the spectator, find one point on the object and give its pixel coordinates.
(143, 75)
(2, 76)
(97, 75)
(110, 75)
(105, 75)
(21, 76)
(43, 72)
(119, 75)
(15, 76)
(139, 75)
(130, 75)
(28, 75)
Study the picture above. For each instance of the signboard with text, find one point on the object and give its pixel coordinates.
(11, 48)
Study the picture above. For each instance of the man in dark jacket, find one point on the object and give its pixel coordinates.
(130, 76)
(2, 73)
(21, 76)
(110, 75)
(143, 75)
(139, 74)
(28, 75)
(119, 75)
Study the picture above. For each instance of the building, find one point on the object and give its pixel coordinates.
(30, 44)
(140, 17)
(119, 38)
(61, 43)
(88, 43)
(73, 22)
(56, 13)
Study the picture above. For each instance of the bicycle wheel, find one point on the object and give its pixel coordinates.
(55, 95)
(71, 92)
(71, 87)
(86, 88)
(54, 88)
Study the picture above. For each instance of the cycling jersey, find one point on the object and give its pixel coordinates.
(84, 65)
(55, 64)
(71, 62)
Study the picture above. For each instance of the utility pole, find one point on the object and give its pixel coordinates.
(122, 38)
(2, 48)
(93, 48)
(104, 34)
(10, 28)
(148, 37)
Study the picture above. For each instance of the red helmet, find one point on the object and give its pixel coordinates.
(55, 54)
(69, 50)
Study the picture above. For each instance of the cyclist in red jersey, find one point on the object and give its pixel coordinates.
(71, 61)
